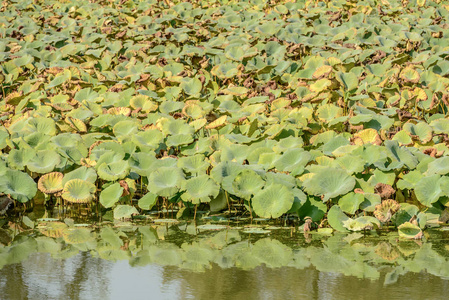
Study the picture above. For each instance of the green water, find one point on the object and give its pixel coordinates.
(143, 260)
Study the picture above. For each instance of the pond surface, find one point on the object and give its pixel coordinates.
(170, 260)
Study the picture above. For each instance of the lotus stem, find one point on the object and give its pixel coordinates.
(227, 200)
(194, 215)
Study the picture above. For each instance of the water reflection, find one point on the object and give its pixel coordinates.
(181, 261)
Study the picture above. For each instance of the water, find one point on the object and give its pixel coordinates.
(180, 261)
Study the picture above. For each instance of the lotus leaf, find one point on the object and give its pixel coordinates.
(124, 212)
(110, 195)
(273, 201)
(113, 171)
(195, 164)
(147, 201)
(329, 183)
(245, 184)
(50, 183)
(78, 191)
(410, 231)
(83, 173)
(422, 130)
(19, 185)
(350, 202)
(44, 161)
(361, 223)
(165, 181)
(199, 189)
(336, 218)
(428, 189)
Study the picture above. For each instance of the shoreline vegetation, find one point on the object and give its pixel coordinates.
(333, 114)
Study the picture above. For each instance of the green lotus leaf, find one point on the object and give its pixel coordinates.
(403, 138)
(273, 201)
(114, 149)
(226, 70)
(352, 164)
(225, 169)
(18, 158)
(348, 81)
(195, 164)
(293, 160)
(350, 202)
(147, 201)
(361, 223)
(77, 235)
(422, 130)
(83, 173)
(44, 161)
(300, 198)
(50, 183)
(110, 195)
(113, 171)
(124, 212)
(245, 184)
(59, 79)
(428, 190)
(165, 181)
(174, 127)
(329, 183)
(19, 185)
(67, 139)
(438, 166)
(334, 144)
(199, 189)
(3, 136)
(125, 129)
(409, 231)
(440, 126)
(141, 162)
(179, 139)
(43, 125)
(336, 218)
(191, 86)
(401, 154)
(148, 139)
(288, 143)
(370, 202)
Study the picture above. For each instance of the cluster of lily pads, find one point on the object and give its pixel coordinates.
(331, 111)
(375, 257)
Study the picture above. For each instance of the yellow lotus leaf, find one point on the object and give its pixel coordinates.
(198, 124)
(126, 111)
(76, 124)
(367, 136)
(409, 74)
(322, 72)
(217, 123)
(320, 85)
(280, 103)
(420, 94)
(333, 61)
